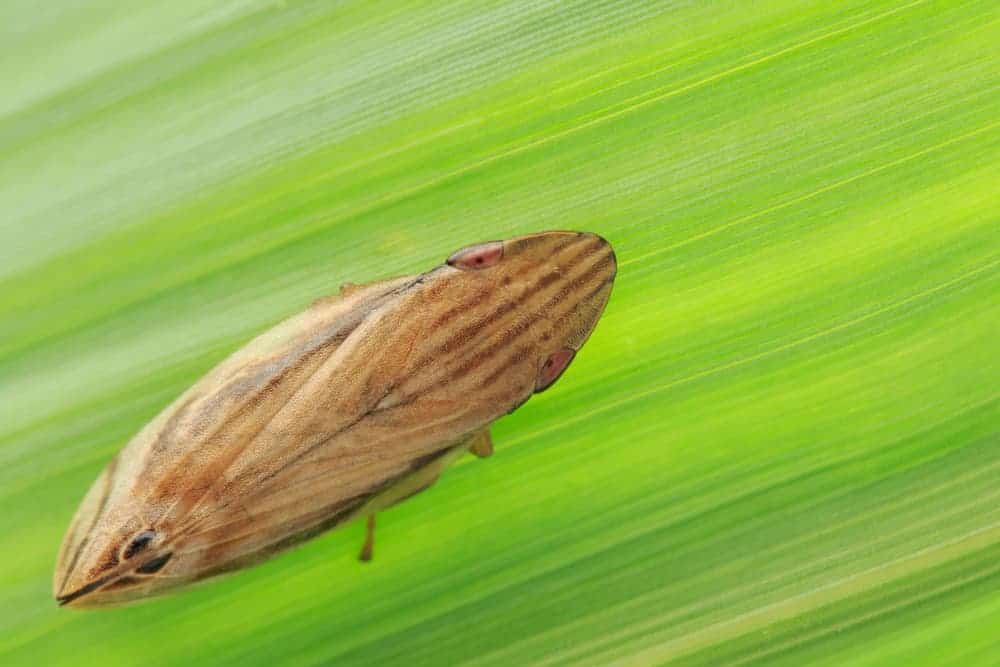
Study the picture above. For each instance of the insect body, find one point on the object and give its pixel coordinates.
(355, 404)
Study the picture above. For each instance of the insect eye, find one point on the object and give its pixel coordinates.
(138, 543)
(478, 256)
(552, 368)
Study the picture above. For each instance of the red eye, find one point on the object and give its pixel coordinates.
(552, 368)
(478, 256)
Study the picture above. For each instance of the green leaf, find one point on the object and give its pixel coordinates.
(780, 446)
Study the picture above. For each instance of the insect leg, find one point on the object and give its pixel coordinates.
(366, 549)
(482, 444)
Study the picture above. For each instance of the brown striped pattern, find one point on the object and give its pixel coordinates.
(353, 400)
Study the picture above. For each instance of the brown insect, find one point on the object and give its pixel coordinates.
(335, 414)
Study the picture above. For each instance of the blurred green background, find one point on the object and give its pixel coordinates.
(782, 443)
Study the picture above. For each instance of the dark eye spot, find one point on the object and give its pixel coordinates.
(154, 565)
(552, 368)
(138, 543)
(477, 256)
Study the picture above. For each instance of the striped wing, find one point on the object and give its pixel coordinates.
(204, 467)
